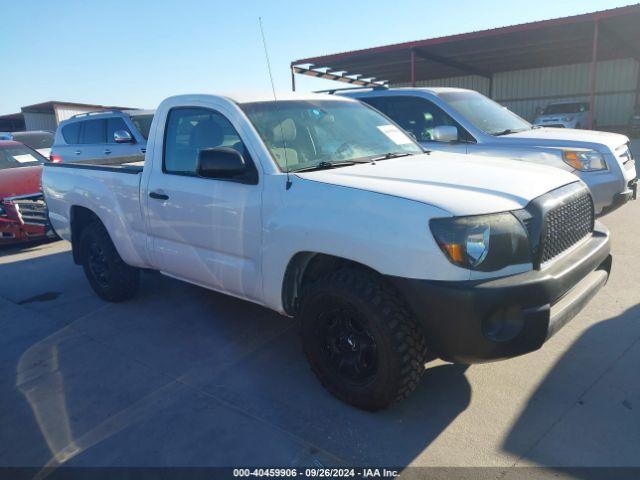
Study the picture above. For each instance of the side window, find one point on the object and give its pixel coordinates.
(191, 129)
(113, 125)
(93, 131)
(71, 133)
(417, 115)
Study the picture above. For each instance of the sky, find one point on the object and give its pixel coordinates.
(135, 53)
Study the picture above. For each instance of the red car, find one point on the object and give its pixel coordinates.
(23, 213)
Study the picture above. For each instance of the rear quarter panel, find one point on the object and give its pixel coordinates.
(112, 196)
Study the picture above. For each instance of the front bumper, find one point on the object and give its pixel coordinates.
(13, 231)
(619, 199)
(480, 321)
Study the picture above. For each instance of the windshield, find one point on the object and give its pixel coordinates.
(564, 108)
(143, 124)
(303, 133)
(484, 113)
(11, 157)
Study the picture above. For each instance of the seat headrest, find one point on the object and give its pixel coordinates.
(285, 131)
(206, 134)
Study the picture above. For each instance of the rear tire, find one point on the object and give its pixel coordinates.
(361, 340)
(111, 278)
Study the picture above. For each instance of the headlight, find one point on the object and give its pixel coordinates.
(584, 160)
(568, 118)
(483, 242)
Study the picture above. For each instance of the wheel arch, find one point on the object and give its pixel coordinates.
(80, 217)
(306, 267)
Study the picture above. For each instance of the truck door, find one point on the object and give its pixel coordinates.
(203, 230)
(420, 117)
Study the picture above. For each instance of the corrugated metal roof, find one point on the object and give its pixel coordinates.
(543, 43)
(51, 104)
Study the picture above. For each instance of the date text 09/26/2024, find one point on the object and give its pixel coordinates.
(316, 472)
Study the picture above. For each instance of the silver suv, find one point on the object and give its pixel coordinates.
(114, 136)
(464, 121)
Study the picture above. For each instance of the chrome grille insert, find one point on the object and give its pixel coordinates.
(33, 210)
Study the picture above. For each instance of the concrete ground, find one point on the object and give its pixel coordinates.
(182, 377)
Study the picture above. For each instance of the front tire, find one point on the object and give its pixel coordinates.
(361, 340)
(111, 278)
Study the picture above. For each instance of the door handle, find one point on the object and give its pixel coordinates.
(78, 152)
(107, 151)
(158, 196)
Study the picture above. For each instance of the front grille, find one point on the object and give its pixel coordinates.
(33, 211)
(624, 154)
(566, 225)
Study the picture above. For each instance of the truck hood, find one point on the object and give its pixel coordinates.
(20, 181)
(566, 137)
(459, 184)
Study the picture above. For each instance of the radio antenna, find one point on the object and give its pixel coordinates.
(275, 100)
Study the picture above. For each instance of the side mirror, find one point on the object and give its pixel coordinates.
(220, 162)
(444, 133)
(122, 136)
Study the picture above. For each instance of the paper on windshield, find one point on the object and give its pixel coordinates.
(25, 158)
(395, 134)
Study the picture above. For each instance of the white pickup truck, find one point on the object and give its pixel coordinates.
(321, 208)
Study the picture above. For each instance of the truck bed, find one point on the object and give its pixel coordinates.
(133, 167)
(111, 191)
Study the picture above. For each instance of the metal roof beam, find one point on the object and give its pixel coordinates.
(613, 37)
(450, 63)
(345, 78)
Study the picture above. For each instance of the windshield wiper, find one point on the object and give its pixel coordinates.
(388, 155)
(508, 131)
(502, 132)
(325, 166)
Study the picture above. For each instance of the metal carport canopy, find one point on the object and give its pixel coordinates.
(591, 37)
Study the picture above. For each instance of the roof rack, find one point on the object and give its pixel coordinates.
(95, 112)
(331, 91)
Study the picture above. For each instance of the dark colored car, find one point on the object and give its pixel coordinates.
(39, 140)
(23, 213)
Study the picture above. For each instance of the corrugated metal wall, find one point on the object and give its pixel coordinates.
(525, 90)
(64, 112)
(40, 121)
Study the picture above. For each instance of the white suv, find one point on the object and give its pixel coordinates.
(564, 115)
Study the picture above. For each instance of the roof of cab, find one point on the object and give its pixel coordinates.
(250, 97)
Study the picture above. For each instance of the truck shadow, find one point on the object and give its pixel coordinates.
(586, 411)
(23, 247)
(96, 383)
